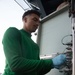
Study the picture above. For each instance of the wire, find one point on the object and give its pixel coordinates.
(63, 39)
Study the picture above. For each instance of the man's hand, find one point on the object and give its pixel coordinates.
(59, 60)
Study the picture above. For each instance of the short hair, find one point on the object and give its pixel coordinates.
(31, 12)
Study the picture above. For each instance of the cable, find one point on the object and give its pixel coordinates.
(63, 39)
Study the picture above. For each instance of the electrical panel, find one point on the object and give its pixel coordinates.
(55, 37)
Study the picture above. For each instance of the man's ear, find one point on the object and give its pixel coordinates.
(25, 19)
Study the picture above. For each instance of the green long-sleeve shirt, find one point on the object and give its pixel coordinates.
(22, 54)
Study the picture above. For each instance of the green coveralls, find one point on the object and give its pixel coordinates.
(22, 54)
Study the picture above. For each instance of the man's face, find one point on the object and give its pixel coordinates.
(31, 22)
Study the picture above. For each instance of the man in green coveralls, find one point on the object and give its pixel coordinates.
(22, 53)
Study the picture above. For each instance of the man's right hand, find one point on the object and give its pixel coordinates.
(59, 60)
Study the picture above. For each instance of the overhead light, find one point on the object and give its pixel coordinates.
(23, 4)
